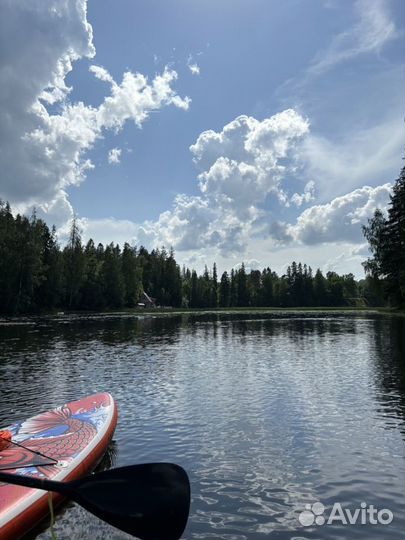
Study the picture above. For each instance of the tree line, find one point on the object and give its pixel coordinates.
(297, 287)
(386, 238)
(37, 274)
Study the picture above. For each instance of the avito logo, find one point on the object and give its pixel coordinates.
(365, 515)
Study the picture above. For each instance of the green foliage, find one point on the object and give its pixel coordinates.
(132, 276)
(74, 267)
(224, 291)
(386, 238)
(36, 275)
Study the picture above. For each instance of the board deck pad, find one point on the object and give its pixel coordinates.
(74, 435)
(11, 457)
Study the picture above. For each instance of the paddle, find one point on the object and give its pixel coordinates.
(150, 501)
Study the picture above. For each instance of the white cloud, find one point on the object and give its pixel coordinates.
(249, 264)
(44, 152)
(109, 230)
(308, 195)
(342, 218)
(194, 68)
(101, 73)
(373, 29)
(240, 166)
(362, 157)
(135, 98)
(114, 156)
(249, 159)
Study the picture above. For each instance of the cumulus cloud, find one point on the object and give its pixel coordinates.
(248, 159)
(340, 219)
(135, 98)
(278, 231)
(308, 195)
(44, 152)
(114, 156)
(208, 227)
(240, 166)
(101, 73)
(373, 29)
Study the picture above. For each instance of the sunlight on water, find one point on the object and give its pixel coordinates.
(265, 414)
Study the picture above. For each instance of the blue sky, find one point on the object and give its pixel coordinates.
(257, 131)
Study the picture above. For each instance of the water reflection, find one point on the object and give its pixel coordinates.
(265, 413)
(389, 370)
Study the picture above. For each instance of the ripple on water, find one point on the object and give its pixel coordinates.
(266, 415)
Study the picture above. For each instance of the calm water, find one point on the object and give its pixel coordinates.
(266, 415)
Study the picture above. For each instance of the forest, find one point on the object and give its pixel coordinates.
(38, 275)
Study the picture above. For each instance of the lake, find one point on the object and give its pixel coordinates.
(267, 413)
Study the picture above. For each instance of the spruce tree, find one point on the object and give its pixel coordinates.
(393, 240)
(267, 292)
(224, 291)
(113, 282)
(73, 266)
(131, 274)
(386, 238)
(319, 289)
(214, 287)
(242, 290)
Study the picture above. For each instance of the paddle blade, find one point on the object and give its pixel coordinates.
(150, 501)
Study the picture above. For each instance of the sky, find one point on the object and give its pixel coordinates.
(262, 131)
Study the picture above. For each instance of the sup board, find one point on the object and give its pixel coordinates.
(62, 444)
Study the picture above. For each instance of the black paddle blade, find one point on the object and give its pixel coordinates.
(150, 501)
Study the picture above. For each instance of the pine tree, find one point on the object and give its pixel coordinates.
(73, 266)
(393, 249)
(224, 291)
(267, 292)
(194, 294)
(205, 295)
(307, 287)
(386, 238)
(91, 294)
(242, 290)
(319, 288)
(233, 294)
(113, 282)
(172, 280)
(214, 287)
(254, 284)
(131, 274)
(49, 292)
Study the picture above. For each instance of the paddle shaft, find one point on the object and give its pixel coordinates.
(51, 461)
(37, 483)
(33, 451)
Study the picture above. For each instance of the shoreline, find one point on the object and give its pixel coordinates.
(271, 312)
